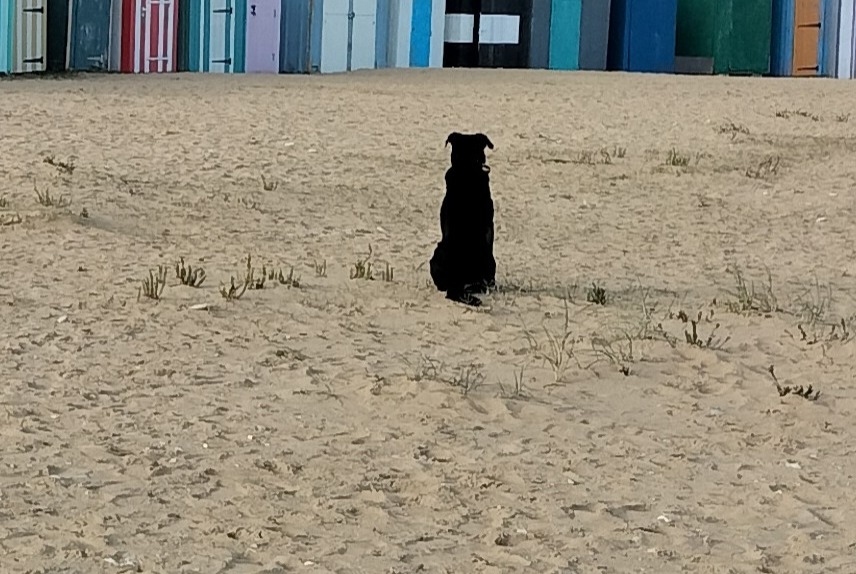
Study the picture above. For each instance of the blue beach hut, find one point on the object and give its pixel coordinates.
(413, 34)
(89, 35)
(642, 35)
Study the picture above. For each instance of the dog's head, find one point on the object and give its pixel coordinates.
(468, 149)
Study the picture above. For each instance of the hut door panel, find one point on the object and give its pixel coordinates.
(420, 34)
(221, 36)
(29, 44)
(263, 20)
(90, 34)
(364, 18)
(149, 36)
(334, 38)
(806, 37)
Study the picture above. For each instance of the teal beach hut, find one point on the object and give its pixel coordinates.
(579, 34)
(213, 35)
(6, 9)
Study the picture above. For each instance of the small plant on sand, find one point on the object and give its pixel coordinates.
(840, 332)
(748, 299)
(765, 168)
(814, 303)
(289, 280)
(786, 114)
(596, 294)
(425, 368)
(732, 129)
(842, 118)
(518, 390)
(269, 185)
(363, 267)
(47, 200)
(677, 159)
(153, 285)
(616, 352)
(711, 342)
(3, 202)
(320, 268)
(805, 392)
(591, 157)
(388, 273)
(468, 379)
(250, 280)
(188, 275)
(249, 203)
(66, 167)
(558, 350)
(232, 292)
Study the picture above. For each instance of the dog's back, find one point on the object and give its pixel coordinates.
(463, 259)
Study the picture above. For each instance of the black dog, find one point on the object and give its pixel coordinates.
(463, 264)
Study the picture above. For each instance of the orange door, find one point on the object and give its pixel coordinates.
(806, 37)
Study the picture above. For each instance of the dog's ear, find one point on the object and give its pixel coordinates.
(453, 137)
(486, 141)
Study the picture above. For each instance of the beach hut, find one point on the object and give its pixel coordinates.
(810, 37)
(144, 36)
(88, 36)
(504, 34)
(724, 36)
(414, 36)
(579, 34)
(212, 35)
(263, 23)
(642, 35)
(497, 34)
(843, 51)
(56, 31)
(5, 38)
(23, 36)
(329, 36)
(460, 36)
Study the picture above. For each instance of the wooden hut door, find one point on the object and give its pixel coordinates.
(149, 35)
(334, 37)
(221, 36)
(90, 35)
(263, 30)
(29, 47)
(362, 49)
(806, 38)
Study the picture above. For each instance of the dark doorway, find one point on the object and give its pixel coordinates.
(57, 35)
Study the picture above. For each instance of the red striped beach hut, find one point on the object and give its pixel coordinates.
(148, 36)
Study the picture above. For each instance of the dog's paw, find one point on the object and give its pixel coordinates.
(465, 298)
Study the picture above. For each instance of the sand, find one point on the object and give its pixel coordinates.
(355, 426)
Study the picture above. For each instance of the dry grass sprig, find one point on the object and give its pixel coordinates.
(233, 292)
(188, 275)
(808, 392)
(153, 285)
(559, 347)
(67, 167)
(363, 267)
(289, 280)
(47, 200)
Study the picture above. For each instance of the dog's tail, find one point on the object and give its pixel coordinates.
(439, 268)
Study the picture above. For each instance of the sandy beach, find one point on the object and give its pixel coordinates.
(327, 424)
